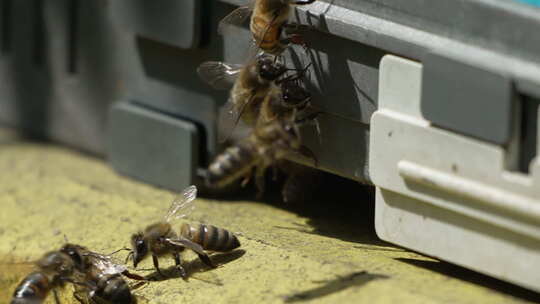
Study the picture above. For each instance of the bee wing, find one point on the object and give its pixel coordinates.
(198, 249)
(219, 75)
(226, 121)
(236, 17)
(182, 242)
(183, 204)
(105, 264)
(108, 267)
(229, 119)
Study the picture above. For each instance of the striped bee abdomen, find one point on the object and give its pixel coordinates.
(266, 25)
(113, 289)
(210, 237)
(32, 290)
(233, 163)
(265, 33)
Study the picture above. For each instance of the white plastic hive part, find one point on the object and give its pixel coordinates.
(448, 195)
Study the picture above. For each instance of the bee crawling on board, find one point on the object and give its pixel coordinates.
(268, 20)
(99, 279)
(159, 239)
(95, 278)
(54, 270)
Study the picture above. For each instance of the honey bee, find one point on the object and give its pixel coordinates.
(54, 269)
(260, 86)
(250, 85)
(268, 19)
(269, 142)
(99, 279)
(286, 99)
(160, 239)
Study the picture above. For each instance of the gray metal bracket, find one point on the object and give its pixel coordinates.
(152, 146)
(173, 22)
(467, 99)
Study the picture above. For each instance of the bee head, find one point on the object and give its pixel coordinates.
(269, 69)
(294, 95)
(139, 248)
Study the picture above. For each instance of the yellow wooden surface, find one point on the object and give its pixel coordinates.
(323, 252)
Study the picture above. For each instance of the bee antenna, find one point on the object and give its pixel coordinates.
(121, 249)
(65, 238)
(130, 255)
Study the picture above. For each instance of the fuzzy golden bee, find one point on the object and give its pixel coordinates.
(286, 99)
(250, 84)
(268, 19)
(160, 239)
(260, 90)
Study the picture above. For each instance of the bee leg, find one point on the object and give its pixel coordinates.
(182, 243)
(137, 285)
(206, 260)
(178, 263)
(259, 180)
(133, 276)
(295, 77)
(156, 265)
